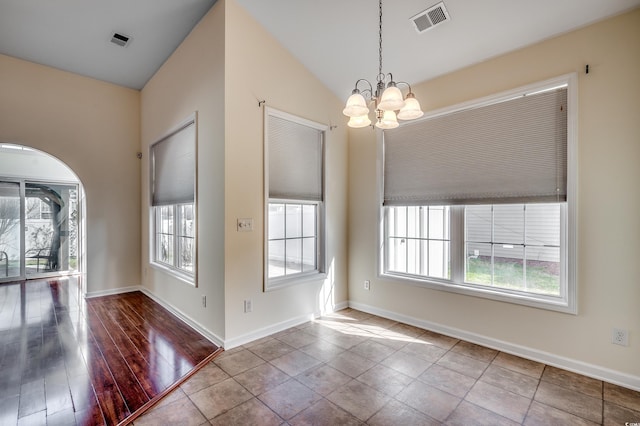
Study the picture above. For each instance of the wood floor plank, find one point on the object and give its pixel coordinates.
(96, 361)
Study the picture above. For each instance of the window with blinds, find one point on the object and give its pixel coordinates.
(294, 184)
(173, 189)
(478, 198)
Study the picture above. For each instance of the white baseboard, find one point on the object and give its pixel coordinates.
(110, 292)
(586, 369)
(267, 331)
(185, 318)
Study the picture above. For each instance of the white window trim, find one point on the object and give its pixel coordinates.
(182, 275)
(567, 302)
(270, 284)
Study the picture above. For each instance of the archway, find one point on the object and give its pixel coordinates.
(41, 210)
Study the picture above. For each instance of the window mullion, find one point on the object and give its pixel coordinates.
(457, 243)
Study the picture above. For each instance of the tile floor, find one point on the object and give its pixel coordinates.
(352, 368)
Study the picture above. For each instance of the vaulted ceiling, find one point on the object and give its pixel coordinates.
(337, 40)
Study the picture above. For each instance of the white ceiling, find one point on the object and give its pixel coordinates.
(336, 39)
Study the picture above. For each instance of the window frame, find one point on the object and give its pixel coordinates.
(173, 269)
(567, 301)
(274, 283)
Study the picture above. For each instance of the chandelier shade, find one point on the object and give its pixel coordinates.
(359, 121)
(411, 109)
(387, 121)
(387, 100)
(356, 106)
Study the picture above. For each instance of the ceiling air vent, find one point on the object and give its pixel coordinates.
(431, 17)
(120, 39)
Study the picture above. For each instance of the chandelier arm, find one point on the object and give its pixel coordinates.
(408, 85)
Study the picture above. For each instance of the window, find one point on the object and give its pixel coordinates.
(294, 167)
(173, 165)
(479, 199)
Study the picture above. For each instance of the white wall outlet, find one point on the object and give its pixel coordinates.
(248, 306)
(204, 301)
(245, 225)
(620, 336)
(367, 285)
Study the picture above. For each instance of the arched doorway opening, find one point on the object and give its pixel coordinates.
(41, 211)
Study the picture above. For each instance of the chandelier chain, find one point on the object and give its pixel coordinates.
(380, 38)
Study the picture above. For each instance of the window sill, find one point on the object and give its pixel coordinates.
(539, 301)
(182, 276)
(281, 282)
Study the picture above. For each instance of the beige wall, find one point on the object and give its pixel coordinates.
(258, 68)
(93, 127)
(192, 79)
(609, 201)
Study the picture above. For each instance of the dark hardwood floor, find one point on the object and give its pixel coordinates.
(66, 360)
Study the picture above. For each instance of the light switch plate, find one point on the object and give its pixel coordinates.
(245, 225)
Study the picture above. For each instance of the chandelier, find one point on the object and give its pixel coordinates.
(386, 99)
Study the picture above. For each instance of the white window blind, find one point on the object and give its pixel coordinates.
(173, 167)
(514, 151)
(295, 160)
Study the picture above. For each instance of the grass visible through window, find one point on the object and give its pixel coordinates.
(541, 277)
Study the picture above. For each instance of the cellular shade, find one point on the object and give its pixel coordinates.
(173, 167)
(295, 160)
(513, 151)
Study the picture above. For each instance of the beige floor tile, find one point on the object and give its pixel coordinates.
(544, 415)
(372, 350)
(295, 362)
(252, 412)
(392, 339)
(324, 413)
(510, 380)
(358, 399)
(576, 403)
(351, 363)
(447, 380)
(261, 378)
(407, 364)
(499, 401)
(573, 381)
(323, 379)
(406, 330)
(221, 397)
(617, 415)
(175, 395)
(298, 338)
(622, 396)
(346, 339)
(445, 342)
(385, 379)
(375, 324)
(429, 400)
(238, 362)
(475, 351)
(271, 349)
(258, 342)
(425, 350)
(463, 364)
(396, 413)
(521, 365)
(289, 398)
(468, 414)
(182, 412)
(322, 350)
(207, 376)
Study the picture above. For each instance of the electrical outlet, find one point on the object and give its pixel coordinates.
(620, 336)
(248, 306)
(204, 301)
(367, 284)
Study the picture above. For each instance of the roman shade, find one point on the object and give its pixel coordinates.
(173, 167)
(295, 160)
(513, 151)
